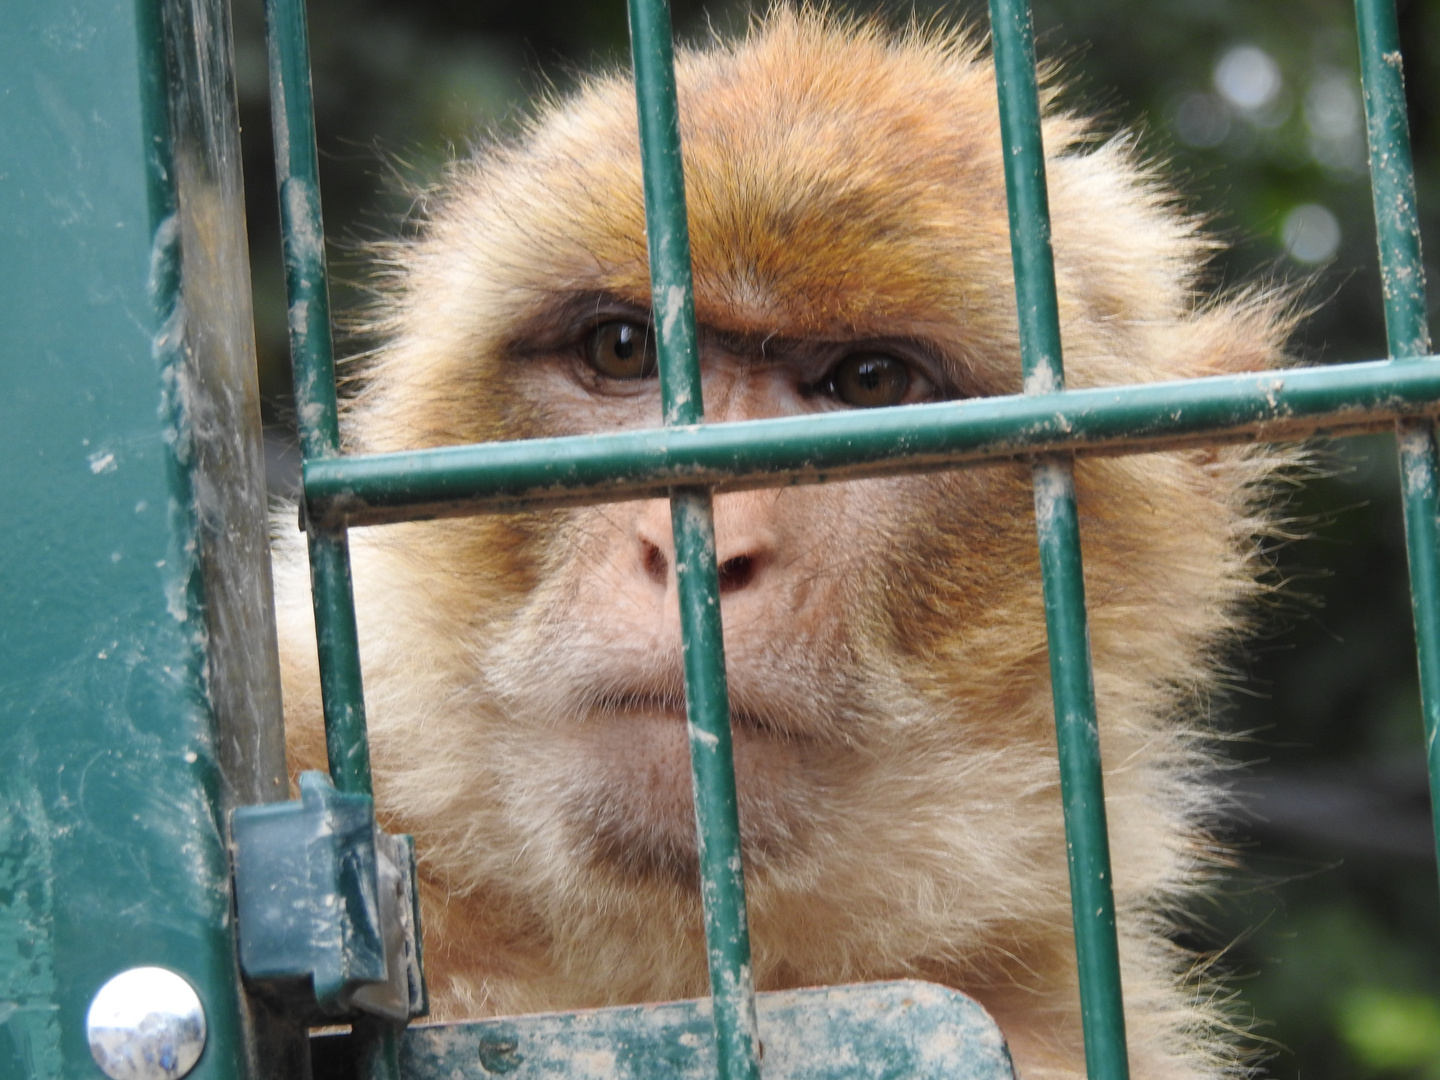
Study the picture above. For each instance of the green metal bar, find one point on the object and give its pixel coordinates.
(707, 703)
(1420, 478)
(1402, 270)
(1029, 201)
(459, 480)
(298, 171)
(666, 227)
(1058, 530)
(1402, 273)
(347, 747)
(311, 352)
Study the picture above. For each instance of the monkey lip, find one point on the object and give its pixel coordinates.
(743, 723)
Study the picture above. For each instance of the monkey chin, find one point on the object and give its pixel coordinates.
(630, 805)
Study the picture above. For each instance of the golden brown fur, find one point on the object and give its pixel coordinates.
(886, 646)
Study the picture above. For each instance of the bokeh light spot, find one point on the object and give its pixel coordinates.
(1248, 77)
(1311, 233)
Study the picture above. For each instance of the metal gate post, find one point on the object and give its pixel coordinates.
(139, 690)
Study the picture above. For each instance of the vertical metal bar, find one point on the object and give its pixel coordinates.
(722, 879)
(1420, 478)
(1402, 270)
(1057, 525)
(311, 352)
(297, 168)
(1402, 273)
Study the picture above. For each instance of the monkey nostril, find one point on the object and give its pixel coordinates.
(656, 565)
(736, 573)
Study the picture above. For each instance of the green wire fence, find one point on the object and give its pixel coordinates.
(688, 461)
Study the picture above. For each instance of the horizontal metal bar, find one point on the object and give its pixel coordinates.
(576, 470)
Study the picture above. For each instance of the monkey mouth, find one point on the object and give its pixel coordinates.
(632, 807)
(743, 722)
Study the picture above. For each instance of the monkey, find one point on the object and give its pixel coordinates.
(885, 638)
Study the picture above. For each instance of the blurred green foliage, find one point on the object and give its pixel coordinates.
(1392, 1031)
(1332, 923)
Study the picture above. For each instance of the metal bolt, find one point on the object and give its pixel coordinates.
(146, 1024)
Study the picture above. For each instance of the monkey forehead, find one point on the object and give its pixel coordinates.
(837, 179)
(841, 181)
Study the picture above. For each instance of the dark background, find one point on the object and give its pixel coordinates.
(1333, 924)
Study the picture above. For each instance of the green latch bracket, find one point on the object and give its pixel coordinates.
(326, 906)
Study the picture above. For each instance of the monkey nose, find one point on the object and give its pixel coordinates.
(654, 562)
(736, 572)
(744, 544)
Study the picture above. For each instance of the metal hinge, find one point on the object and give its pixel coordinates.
(326, 904)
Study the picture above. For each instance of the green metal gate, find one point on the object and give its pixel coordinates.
(131, 733)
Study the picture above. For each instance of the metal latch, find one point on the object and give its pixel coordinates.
(327, 909)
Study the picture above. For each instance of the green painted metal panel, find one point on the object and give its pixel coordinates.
(139, 693)
(1293, 404)
(882, 1031)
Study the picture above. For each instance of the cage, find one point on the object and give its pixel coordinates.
(150, 853)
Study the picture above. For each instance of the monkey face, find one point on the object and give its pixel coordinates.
(806, 602)
(587, 669)
(885, 639)
(815, 255)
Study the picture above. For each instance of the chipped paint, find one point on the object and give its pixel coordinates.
(303, 220)
(1043, 378)
(673, 307)
(1054, 487)
(1417, 449)
(704, 738)
(169, 347)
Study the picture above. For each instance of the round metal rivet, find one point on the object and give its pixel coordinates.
(146, 1024)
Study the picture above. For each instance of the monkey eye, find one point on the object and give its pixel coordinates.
(621, 350)
(869, 380)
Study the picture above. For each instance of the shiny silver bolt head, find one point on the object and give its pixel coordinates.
(146, 1024)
